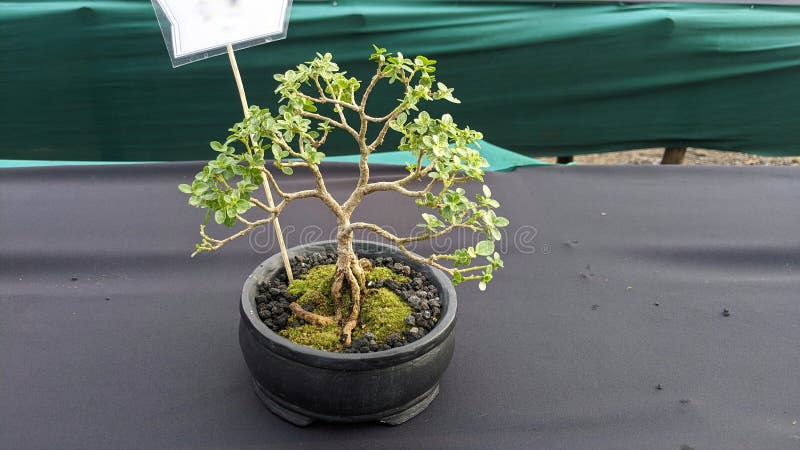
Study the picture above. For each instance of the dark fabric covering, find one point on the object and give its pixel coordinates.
(91, 80)
(564, 351)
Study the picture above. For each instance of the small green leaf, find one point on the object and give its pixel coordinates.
(484, 248)
(486, 191)
(287, 170)
(482, 286)
(500, 222)
(185, 188)
(429, 218)
(200, 187)
(219, 217)
(217, 146)
(242, 206)
(276, 151)
(401, 118)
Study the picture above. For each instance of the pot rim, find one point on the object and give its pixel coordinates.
(350, 361)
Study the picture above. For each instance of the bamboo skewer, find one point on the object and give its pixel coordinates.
(267, 190)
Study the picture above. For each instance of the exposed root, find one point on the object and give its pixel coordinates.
(309, 317)
(349, 274)
(355, 293)
(358, 267)
(347, 331)
(336, 293)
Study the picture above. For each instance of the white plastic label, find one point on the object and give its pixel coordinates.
(199, 29)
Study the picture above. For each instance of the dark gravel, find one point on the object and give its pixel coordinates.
(273, 301)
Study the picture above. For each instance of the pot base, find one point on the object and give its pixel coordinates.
(301, 420)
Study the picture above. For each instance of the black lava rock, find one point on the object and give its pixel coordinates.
(395, 340)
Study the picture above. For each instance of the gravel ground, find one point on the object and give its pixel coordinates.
(694, 156)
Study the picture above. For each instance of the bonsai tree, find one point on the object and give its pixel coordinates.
(316, 99)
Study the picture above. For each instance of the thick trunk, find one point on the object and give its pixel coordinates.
(349, 277)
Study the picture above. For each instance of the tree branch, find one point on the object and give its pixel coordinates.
(475, 268)
(291, 195)
(284, 145)
(388, 120)
(375, 78)
(320, 192)
(261, 205)
(213, 244)
(360, 192)
(428, 261)
(325, 99)
(397, 187)
(321, 141)
(378, 119)
(363, 160)
(294, 164)
(249, 226)
(243, 220)
(301, 194)
(266, 173)
(342, 125)
(319, 88)
(406, 240)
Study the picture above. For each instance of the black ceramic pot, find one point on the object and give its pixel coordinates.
(301, 384)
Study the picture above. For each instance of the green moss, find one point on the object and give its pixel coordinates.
(317, 302)
(321, 338)
(381, 273)
(382, 311)
(319, 278)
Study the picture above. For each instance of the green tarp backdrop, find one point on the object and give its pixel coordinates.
(91, 80)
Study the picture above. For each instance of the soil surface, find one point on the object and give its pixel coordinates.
(422, 296)
(694, 156)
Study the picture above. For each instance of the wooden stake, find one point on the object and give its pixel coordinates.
(673, 155)
(265, 183)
